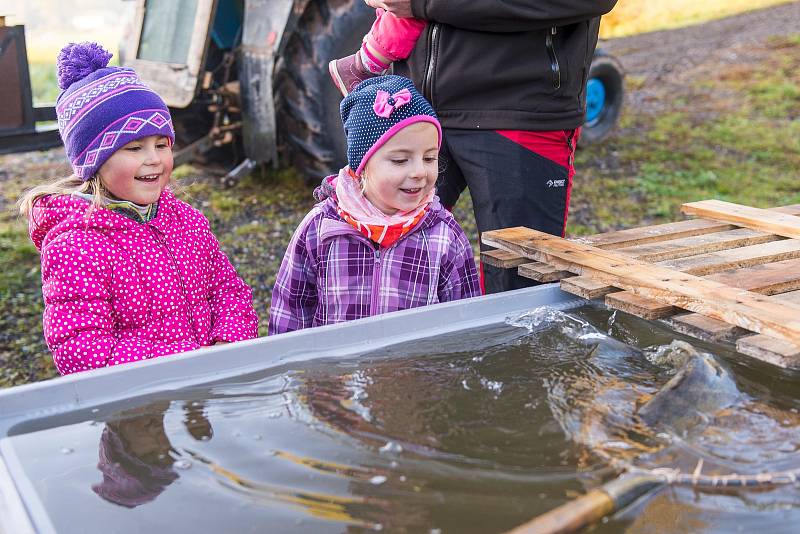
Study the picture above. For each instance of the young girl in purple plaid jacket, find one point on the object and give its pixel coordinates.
(378, 240)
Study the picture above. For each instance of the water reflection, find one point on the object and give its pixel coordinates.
(461, 441)
(137, 459)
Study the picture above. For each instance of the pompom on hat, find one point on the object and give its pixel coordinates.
(102, 108)
(376, 110)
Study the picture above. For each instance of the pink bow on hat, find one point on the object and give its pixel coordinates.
(385, 104)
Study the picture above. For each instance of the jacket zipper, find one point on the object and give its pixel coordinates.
(427, 80)
(551, 51)
(189, 315)
(376, 284)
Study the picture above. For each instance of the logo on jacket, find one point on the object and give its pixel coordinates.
(556, 183)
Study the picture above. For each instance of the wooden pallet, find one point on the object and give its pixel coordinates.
(731, 276)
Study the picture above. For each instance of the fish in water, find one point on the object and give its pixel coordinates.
(700, 388)
(617, 403)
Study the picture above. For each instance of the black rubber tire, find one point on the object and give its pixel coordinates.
(609, 70)
(310, 133)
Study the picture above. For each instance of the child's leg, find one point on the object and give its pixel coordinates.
(392, 38)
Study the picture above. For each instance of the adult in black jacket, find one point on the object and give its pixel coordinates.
(508, 81)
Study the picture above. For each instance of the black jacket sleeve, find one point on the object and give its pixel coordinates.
(509, 15)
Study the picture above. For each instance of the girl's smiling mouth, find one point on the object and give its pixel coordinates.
(148, 177)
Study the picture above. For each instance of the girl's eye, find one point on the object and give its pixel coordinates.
(399, 161)
(133, 148)
(431, 159)
(162, 145)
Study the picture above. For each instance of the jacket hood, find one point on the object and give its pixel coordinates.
(55, 215)
(326, 189)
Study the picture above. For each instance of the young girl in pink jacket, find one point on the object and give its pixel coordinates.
(129, 272)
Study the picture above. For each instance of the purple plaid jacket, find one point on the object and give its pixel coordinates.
(331, 273)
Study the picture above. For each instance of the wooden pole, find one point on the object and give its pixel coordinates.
(592, 507)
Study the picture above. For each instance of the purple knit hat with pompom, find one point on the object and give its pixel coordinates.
(103, 108)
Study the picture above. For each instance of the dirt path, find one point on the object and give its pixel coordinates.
(661, 62)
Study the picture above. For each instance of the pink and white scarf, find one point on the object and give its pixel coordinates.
(362, 214)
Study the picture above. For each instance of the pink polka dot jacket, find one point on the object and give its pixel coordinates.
(119, 291)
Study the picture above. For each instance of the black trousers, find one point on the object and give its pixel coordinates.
(510, 184)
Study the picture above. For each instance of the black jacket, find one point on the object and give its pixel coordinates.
(503, 64)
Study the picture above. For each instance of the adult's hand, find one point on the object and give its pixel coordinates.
(399, 8)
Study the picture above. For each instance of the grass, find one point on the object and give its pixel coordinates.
(741, 144)
(22, 344)
(44, 84)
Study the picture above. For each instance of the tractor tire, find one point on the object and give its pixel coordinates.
(310, 134)
(605, 91)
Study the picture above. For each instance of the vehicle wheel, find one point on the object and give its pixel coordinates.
(310, 133)
(604, 97)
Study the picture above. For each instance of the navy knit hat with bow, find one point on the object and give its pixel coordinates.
(376, 110)
(103, 108)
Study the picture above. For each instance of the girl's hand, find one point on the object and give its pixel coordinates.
(399, 8)
(221, 343)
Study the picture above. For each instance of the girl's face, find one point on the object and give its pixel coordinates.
(402, 172)
(138, 171)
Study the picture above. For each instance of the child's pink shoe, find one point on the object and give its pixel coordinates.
(348, 72)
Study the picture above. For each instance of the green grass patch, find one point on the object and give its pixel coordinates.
(19, 259)
(44, 82)
(21, 340)
(747, 152)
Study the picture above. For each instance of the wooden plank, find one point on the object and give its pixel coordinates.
(626, 238)
(768, 349)
(775, 351)
(790, 296)
(643, 307)
(586, 287)
(755, 218)
(503, 259)
(689, 246)
(711, 298)
(541, 272)
(706, 328)
(768, 279)
(664, 232)
(649, 234)
(753, 248)
(657, 232)
(703, 264)
(675, 248)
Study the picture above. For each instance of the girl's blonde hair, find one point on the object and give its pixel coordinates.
(63, 186)
(72, 184)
